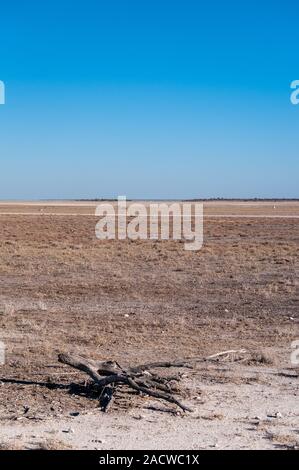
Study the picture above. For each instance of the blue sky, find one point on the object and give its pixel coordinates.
(170, 99)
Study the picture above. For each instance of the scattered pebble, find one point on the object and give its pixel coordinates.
(256, 422)
(275, 415)
(70, 430)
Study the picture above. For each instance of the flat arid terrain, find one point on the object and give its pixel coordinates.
(63, 290)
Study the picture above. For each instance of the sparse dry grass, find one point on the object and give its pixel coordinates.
(47, 444)
(261, 357)
(287, 441)
(136, 301)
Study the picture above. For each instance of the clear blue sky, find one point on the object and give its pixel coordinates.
(149, 99)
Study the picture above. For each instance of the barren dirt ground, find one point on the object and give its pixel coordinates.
(139, 301)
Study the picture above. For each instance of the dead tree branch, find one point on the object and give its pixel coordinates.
(109, 374)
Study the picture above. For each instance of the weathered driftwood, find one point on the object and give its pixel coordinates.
(111, 373)
(108, 374)
(226, 353)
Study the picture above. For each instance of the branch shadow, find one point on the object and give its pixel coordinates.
(83, 389)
